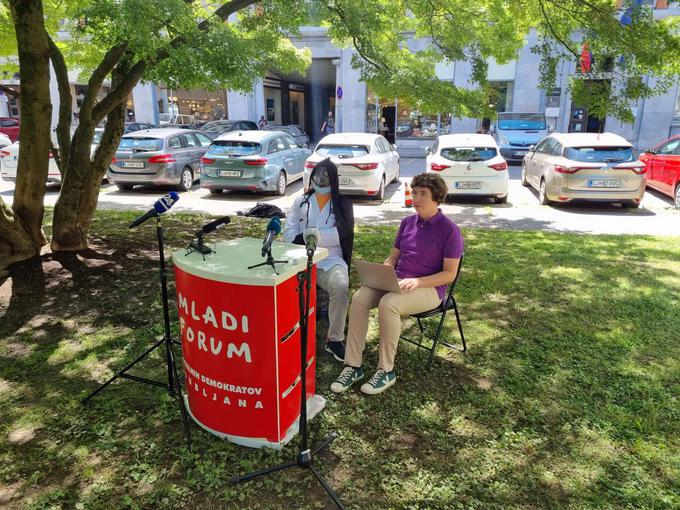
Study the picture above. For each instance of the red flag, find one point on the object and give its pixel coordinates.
(586, 58)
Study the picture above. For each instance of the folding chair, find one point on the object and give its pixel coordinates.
(447, 304)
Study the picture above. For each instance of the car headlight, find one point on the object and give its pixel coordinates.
(504, 141)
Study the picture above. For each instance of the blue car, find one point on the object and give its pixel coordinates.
(264, 161)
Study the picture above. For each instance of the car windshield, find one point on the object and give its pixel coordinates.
(234, 148)
(600, 154)
(218, 126)
(139, 144)
(97, 138)
(342, 151)
(521, 121)
(468, 153)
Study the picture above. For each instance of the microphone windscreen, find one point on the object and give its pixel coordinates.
(166, 202)
(274, 225)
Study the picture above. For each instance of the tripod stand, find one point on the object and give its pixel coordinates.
(270, 262)
(305, 456)
(172, 385)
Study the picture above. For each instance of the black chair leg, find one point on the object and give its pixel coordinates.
(460, 325)
(435, 340)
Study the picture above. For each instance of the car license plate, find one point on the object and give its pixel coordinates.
(229, 173)
(132, 164)
(343, 181)
(604, 183)
(521, 153)
(468, 185)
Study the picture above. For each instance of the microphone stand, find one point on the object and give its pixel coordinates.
(305, 456)
(269, 262)
(172, 385)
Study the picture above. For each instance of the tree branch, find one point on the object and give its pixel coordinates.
(10, 91)
(552, 30)
(65, 105)
(98, 75)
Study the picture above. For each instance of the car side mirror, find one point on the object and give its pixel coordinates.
(550, 129)
(394, 147)
(532, 148)
(428, 150)
(650, 151)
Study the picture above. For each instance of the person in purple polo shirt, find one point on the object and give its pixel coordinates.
(425, 255)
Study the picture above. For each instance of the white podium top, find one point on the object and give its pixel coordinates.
(230, 260)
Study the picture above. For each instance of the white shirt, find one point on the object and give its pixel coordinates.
(301, 216)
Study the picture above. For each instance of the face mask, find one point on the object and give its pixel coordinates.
(324, 190)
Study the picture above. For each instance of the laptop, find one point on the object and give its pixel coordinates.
(377, 276)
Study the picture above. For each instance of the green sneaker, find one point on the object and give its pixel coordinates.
(380, 381)
(347, 377)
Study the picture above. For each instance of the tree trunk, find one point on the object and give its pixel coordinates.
(21, 234)
(79, 195)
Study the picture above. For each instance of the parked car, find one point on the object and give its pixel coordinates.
(253, 160)
(164, 156)
(9, 160)
(591, 166)
(131, 127)
(226, 126)
(175, 118)
(516, 132)
(293, 130)
(663, 168)
(10, 127)
(366, 162)
(470, 164)
(4, 140)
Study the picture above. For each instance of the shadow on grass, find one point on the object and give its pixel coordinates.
(565, 399)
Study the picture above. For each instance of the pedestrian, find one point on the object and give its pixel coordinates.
(324, 208)
(328, 126)
(425, 255)
(262, 122)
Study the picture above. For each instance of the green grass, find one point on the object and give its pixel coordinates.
(567, 398)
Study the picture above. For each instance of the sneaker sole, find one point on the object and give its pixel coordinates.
(344, 389)
(334, 355)
(370, 390)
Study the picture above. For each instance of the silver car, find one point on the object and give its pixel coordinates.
(158, 157)
(598, 167)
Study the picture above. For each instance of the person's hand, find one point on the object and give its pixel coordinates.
(409, 284)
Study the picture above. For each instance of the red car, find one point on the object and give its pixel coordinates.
(10, 127)
(663, 168)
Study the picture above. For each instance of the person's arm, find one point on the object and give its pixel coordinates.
(291, 230)
(323, 126)
(443, 277)
(393, 258)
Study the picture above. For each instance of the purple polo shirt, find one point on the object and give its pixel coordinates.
(425, 244)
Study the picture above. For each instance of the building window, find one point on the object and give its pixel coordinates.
(553, 98)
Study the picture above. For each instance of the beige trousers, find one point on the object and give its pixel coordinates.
(391, 307)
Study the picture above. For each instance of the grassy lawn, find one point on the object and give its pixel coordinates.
(567, 398)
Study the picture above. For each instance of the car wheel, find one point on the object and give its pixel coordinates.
(215, 191)
(125, 187)
(502, 200)
(186, 180)
(281, 184)
(677, 196)
(523, 178)
(380, 195)
(396, 177)
(542, 195)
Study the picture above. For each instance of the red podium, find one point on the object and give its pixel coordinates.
(240, 337)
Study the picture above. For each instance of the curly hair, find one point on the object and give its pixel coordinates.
(434, 182)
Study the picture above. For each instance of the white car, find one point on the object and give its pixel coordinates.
(600, 167)
(4, 140)
(470, 164)
(9, 156)
(366, 162)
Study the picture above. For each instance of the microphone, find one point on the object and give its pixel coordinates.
(273, 229)
(162, 205)
(213, 225)
(311, 237)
